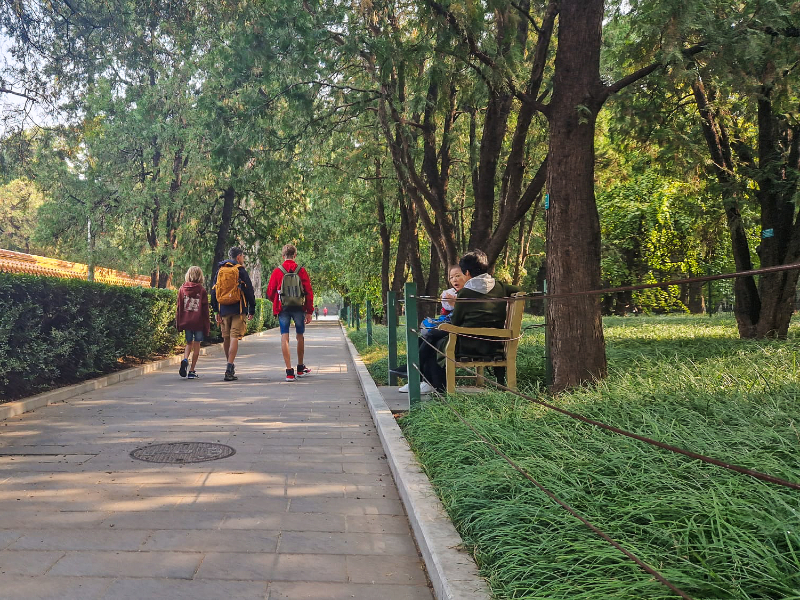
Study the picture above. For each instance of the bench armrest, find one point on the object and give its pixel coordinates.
(482, 331)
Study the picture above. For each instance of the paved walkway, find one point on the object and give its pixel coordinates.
(306, 508)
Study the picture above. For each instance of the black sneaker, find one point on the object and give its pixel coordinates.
(193, 375)
(290, 375)
(184, 367)
(229, 374)
(302, 370)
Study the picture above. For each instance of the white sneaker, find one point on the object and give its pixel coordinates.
(424, 388)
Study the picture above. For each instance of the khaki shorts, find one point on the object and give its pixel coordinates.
(233, 326)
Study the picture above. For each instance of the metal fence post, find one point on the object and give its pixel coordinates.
(412, 345)
(357, 316)
(369, 323)
(391, 323)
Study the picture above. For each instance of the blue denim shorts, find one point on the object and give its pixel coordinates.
(285, 318)
(194, 336)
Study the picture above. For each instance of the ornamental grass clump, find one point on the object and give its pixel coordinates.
(714, 533)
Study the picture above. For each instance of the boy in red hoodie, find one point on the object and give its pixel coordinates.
(301, 315)
(193, 318)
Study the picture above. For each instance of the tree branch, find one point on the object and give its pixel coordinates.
(20, 94)
(527, 15)
(644, 72)
(466, 37)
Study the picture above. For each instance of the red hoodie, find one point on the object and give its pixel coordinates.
(193, 309)
(274, 287)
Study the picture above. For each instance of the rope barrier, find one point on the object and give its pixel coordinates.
(627, 288)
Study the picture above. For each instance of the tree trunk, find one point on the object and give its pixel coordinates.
(762, 310)
(427, 308)
(493, 217)
(519, 259)
(777, 183)
(573, 225)
(777, 292)
(399, 275)
(401, 260)
(386, 242)
(167, 261)
(694, 298)
(229, 196)
(155, 217)
(412, 249)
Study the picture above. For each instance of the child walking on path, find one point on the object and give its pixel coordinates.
(193, 318)
(292, 299)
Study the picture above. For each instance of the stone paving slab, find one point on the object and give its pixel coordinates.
(306, 508)
(171, 589)
(281, 590)
(63, 588)
(453, 573)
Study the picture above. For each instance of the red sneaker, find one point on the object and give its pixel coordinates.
(302, 370)
(290, 375)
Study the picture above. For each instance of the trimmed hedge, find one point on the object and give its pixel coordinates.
(57, 331)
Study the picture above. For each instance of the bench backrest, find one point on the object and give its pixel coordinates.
(514, 311)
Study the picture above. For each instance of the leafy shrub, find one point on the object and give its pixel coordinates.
(57, 331)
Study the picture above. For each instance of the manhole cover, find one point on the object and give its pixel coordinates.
(183, 452)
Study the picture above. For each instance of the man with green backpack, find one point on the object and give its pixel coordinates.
(292, 299)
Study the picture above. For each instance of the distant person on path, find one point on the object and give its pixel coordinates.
(193, 318)
(316, 313)
(232, 299)
(292, 299)
(325, 311)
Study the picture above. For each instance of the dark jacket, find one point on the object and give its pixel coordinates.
(193, 309)
(481, 314)
(245, 308)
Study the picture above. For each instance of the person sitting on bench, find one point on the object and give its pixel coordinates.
(479, 284)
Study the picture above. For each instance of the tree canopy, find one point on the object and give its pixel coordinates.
(386, 137)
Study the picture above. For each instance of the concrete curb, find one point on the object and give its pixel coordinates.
(12, 409)
(451, 569)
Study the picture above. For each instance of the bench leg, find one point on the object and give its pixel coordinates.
(511, 376)
(451, 377)
(479, 380)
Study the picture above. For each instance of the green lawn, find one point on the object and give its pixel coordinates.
(685, 380)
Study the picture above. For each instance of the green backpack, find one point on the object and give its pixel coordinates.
(291, 293)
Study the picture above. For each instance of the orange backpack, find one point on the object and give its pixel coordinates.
(227, 285)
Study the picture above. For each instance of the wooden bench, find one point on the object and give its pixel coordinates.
(511, 333)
